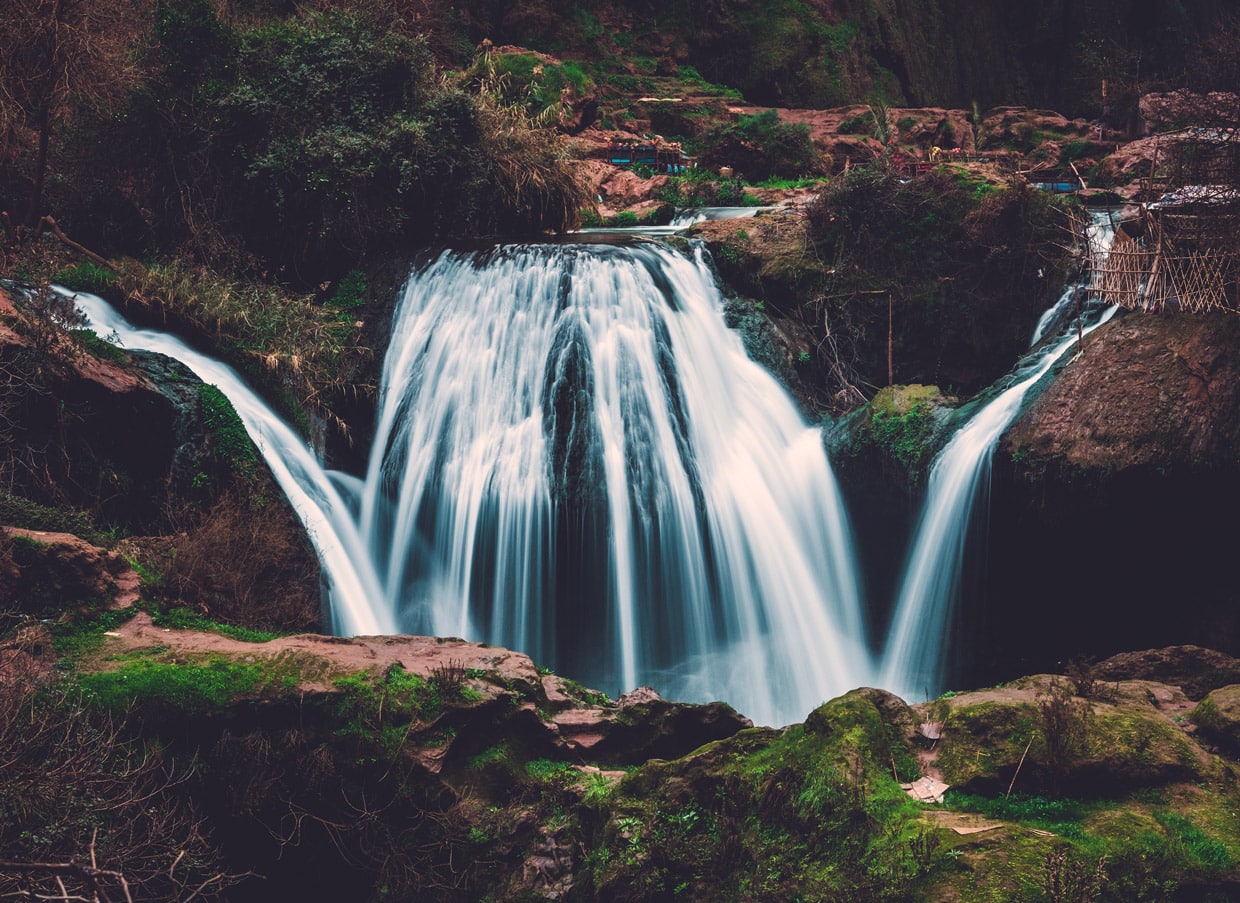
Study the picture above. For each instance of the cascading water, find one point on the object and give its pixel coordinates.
(574, 457)
(312, 494)
(914, 659)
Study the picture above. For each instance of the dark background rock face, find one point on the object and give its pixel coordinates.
(821, 53)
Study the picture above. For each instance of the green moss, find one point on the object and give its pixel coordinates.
(902, 423)
(184, 619)
(75, 635)
(186, 688)
(985, 740)
(233, 447)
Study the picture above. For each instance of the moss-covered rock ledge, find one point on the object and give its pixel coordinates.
(401, 768)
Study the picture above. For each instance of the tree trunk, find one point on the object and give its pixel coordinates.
(40, 169)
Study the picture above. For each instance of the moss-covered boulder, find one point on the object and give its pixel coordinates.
(1218, 717)
(1037, 737)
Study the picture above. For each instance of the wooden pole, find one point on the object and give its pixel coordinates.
(890, 331)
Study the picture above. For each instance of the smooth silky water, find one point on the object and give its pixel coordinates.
(575, 458)
(915, 657)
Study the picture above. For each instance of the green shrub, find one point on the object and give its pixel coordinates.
(99, 347)
(861, 124)
(761, 146)
(623, 220)
(350, 292)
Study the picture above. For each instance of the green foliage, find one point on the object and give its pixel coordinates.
(379, 711)
(18, 511)
(762, 146)
(786, 184)
(622, 220)
(1196, 849)
(76, 633)
(549, 771)
(1062, 816)
(861, 124)
(350, 292)
(491, 756)
(598, 788)
(99, 347)
(232, 444)
(322, 133)
(87, 277)
(185, 688)
(529, 80)
(184, 619)
(941, 252)
(285, 343)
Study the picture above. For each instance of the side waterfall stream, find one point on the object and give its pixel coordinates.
(574, 457)
(915, 655)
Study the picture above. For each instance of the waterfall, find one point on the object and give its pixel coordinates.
(575, 458)
(914, 659)
(313, 495)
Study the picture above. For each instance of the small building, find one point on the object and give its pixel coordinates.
(662, 156)
(1054, 179)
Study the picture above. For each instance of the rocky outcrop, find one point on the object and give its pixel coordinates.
(98, 436)
(423, 768)
(56, 570)
(1147, 392)
(1110, 502)
(1218, 717)
(1035, 735)
(1194, 669)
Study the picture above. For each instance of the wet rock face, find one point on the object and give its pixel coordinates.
(1110, 501)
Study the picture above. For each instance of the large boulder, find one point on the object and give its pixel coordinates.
(1218, 717)
(1107, 500)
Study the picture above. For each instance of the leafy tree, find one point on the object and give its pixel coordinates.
(59, 56)
(295, 144)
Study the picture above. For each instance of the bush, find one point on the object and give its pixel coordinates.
(292, 145)
(762, 146)
(75, 789)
